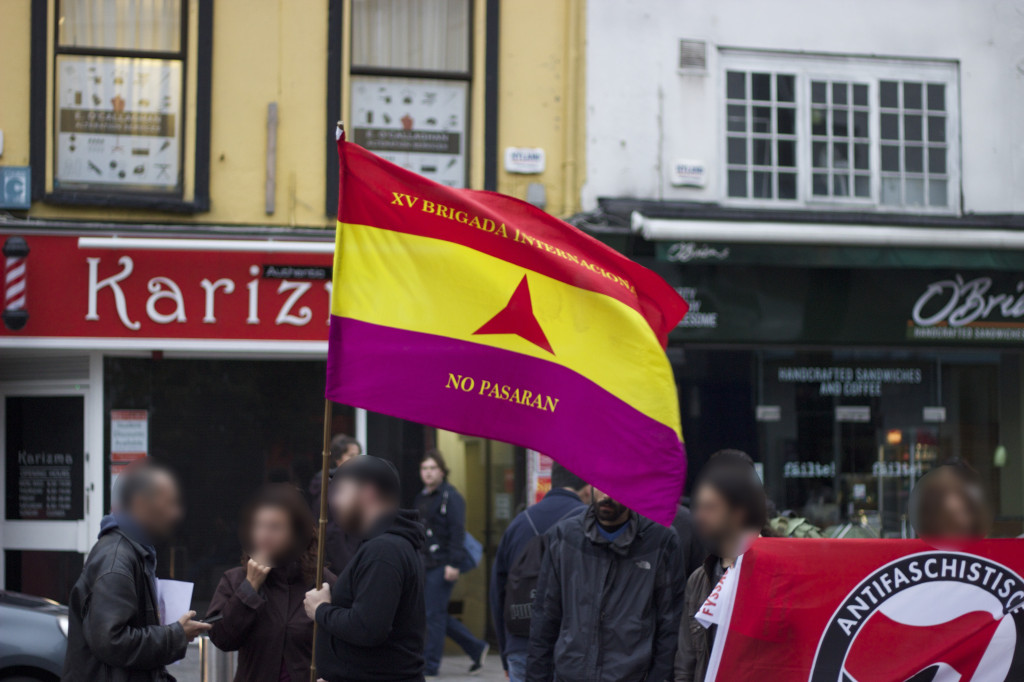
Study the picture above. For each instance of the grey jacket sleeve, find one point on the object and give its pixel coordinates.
(669, 593)
(546, 620)
(107, 630)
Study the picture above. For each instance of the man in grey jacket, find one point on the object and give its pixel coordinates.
(608, 599)
(114, 631)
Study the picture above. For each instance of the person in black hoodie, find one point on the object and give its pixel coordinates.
(371, 624)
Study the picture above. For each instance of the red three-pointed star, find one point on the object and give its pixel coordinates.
(517, 318)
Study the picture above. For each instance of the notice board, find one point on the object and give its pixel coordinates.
(45, 458)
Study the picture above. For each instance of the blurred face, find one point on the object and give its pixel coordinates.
(352, 451)
(272, 539)
(346, 505)
(608, 511)
(718, 525)
(159, 511)
(954, 507)
(430, 473)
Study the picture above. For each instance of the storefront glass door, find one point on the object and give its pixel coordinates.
(46, 488)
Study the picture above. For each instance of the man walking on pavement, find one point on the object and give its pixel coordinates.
(730, 509)
(443, 513)
(371, 624)
(114, 630)
(568, 496)
(608, 599)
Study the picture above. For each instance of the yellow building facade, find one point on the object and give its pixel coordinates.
(277, 51)
(203, 131)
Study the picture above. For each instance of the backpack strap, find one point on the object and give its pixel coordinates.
(567, 514)
(444, 502)
(526, 513)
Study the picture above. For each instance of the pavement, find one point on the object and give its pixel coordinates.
(453, 669)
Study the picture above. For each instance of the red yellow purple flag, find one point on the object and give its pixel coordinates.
(478, 313)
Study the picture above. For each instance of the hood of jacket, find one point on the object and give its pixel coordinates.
(406, 525)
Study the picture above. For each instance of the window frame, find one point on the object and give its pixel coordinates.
(195, 55)
(466, 77)
(806, 67)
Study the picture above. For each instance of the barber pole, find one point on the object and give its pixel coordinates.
(15, 291)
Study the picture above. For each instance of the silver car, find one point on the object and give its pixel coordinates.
(33, 638)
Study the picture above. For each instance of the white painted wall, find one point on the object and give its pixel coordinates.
(642, 112)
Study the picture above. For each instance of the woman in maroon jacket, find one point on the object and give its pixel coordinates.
(261, 601)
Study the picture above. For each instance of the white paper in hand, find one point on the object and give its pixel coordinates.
(175, 599)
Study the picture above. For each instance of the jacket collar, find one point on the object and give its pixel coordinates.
(621, 544)
(562, 492)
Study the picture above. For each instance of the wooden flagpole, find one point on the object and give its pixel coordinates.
(325, 475)
(321, 533)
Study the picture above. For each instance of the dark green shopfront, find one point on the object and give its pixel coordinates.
(847, 373)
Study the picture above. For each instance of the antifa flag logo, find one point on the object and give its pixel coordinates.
(929, 617)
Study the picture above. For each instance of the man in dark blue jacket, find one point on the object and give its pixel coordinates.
(443, 513)
(569, 495)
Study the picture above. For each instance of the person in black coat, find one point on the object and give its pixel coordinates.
(114, 630)
(261, 601)
(609, 599)
(371, 624)
(444, 514)
(340, 546)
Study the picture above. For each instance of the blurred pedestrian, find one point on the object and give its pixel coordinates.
(114, 630)
(261, 601)
(949, 502)
(371, 623)
(568, 496)
(608, 598)
(730, 509)
(340, 546)
(443, 512)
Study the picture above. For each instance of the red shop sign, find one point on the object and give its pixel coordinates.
(134, 289)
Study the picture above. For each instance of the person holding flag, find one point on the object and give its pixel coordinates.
(731, 509)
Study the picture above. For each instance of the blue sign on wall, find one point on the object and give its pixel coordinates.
(15, 187)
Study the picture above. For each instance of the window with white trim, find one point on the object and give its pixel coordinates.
(841, 133)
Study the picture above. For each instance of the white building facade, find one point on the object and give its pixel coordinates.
(838, 190)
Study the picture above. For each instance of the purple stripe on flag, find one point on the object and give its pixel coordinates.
(489, 392)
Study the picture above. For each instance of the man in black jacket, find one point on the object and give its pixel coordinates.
(371, 625)
(114, 631)
(608, 599)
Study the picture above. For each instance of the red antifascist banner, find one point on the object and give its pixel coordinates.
(870, 610)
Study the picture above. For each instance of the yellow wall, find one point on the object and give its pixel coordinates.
(541, 102)
(276, 51)
(466, 459)
(14, 64)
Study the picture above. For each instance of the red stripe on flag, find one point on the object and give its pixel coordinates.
(382, 195)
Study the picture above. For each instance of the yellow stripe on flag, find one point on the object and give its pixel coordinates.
(438, 287)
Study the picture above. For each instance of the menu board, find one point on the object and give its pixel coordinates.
(118, 123)
(418, 124)
(45, 457)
